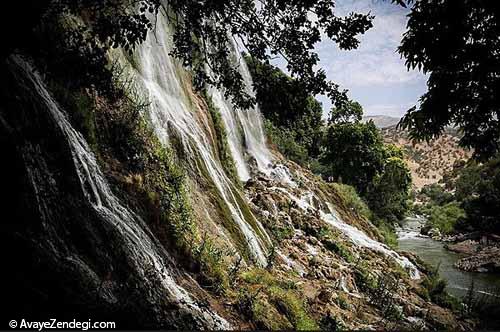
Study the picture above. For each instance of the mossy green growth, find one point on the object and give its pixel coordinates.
(81, 109)
(389, 234)
(341, 301)
(332, 243)
(214, 271)
(364, 280)
(224, 213)
(281, 233)
(280, 295)
(340, 249)
(352, 200)
(167, 181)
(147, 175)
(223, 150)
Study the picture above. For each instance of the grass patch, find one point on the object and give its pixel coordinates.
(388, 233)
(434, 288)
(352, 200)
(263, 294)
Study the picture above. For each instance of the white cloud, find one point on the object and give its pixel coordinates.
(376, 60)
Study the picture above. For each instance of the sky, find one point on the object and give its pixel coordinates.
(374, 74)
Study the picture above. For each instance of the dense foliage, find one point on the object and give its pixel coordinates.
(294, 116)
(351, 111)
(354, 153)
(457, 42)
(389, 193)
(76, 34)
(478, 188)
(468, 200)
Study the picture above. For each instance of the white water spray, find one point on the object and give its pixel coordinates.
(356, 236)
(173, 111)
(245, 130)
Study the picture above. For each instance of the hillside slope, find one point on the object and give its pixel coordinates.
(428, 161)
(381, 121)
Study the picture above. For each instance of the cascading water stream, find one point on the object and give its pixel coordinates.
(142, 250)
(245, 129)
(355, 235)
(174, 112)
(361, 239)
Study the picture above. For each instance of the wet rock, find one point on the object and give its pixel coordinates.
(468, 247)
(313, 240)
(487, 260)
(425, 230)
(442, 319)
(325, 295)
(435, 234)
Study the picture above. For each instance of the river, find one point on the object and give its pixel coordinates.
(434, 253)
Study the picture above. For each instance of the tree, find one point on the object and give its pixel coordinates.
(203, 29)
(295, 112)
(478, 187)
(204, 32)
(390, 191)
(436, 194)
(354, 153)
(350, 111)
(457, 42)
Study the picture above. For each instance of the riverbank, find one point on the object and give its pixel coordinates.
(433, 252)
(480, 258)
(481, 250)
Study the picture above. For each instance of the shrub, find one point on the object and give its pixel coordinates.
(352, 199)
(445, 217)
(331, 323)
(278, 297)
(286, 143)
(388, 233)
(435, 287)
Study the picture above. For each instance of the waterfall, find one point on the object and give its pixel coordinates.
(245, 130)
(143, 252)
(174, 111)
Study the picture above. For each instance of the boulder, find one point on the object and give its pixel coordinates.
(435, 233)
(425, 230)
(468, 247)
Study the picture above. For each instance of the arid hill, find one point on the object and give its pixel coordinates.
(428, 161)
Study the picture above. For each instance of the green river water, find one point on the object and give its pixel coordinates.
(434, 253)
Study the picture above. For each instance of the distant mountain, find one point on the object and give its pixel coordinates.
(382, 121)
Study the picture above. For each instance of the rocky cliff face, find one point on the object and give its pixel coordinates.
(186, 221)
